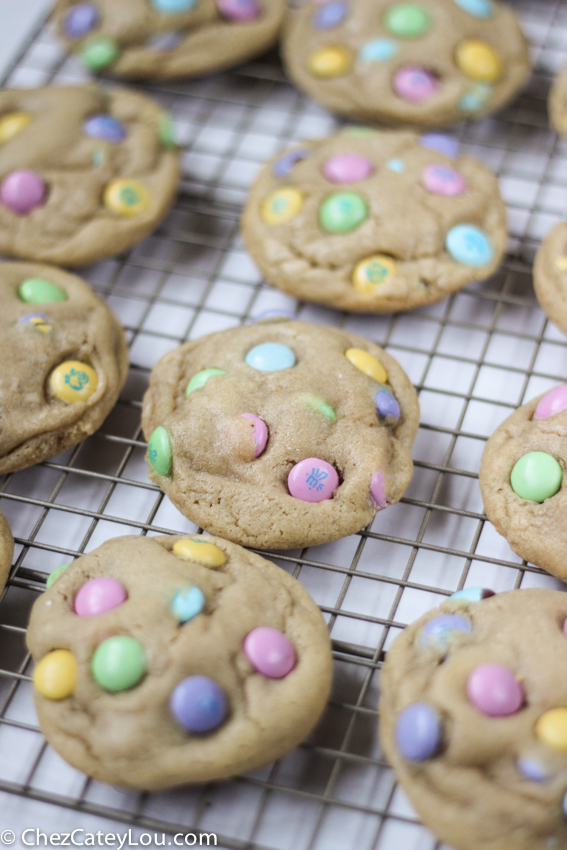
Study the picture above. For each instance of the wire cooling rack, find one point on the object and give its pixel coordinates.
(473, 358)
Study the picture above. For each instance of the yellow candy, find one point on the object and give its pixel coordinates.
(281, 206)
(551, 728)
(561, 263)
(126, 197)
(200, 551)
(73, 381)
(11, 124)
(479, 61)
(367, 364)
(371, 272)
(55, 677)
(330, 61)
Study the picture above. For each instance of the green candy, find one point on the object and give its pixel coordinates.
(55, 575)
(407, 20)
(118, 663)
(166, 132)
(36, 290)
(359, 132)
(536, 477)
(199, 380)
(343, 212)
(159, 452)
(99, 52)
(317, 404)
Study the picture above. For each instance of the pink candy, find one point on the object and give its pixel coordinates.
(494, 690)
(260, 432)
(270, 652)
(415, 84)
(442, 180)
(22, 191)
(239, 10)
(347, 168)
(98, 596)
(313, 480)
(553, 402)
(377, 490)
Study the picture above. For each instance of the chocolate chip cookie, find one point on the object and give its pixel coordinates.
(167, 660)
(84, 172)
(64, 361)
(375, 221)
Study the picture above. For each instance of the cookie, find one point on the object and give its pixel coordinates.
(6, 550)
(521, 480)
(375, 221)
(425, 64)
(557, 103)
(167, 660)
(84, 173)
(550, 276)
(280, 434)
(474, 723)
(64, 361)
(165, 39)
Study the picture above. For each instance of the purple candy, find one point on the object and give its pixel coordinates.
(532, 770)
(105, 127)
(239, 10)
(80, 20)
(438, 629)
(330, 15)
(284, 166)
(198, 704)
(22, 191)
(418, 732)
(387, 405)
(377, 490)
(441, 143)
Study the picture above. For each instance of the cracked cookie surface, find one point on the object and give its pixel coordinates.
(375, 221)
(6, 550)
(167, 660)
(473, 719)
(280, 433)
(425, 64)
(550, 276)
(64, 361)
(167, 39)
(85, 173)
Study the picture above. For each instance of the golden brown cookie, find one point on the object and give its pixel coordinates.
(557, 103)
(550, 275)
(6, 550)
(167, 660)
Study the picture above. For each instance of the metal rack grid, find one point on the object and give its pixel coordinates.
(473, 358)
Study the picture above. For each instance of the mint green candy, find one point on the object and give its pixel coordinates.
(99, 52)
(342, 212)
(37, 290)
(118, 663)
(536, 476)
(199, 380)
(55, 575)
(159, 452)
(166, 132)
(319, 405)
(407, 20)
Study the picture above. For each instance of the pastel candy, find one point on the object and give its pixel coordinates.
(198, 704)
(200, 551)
(553, 402)
(476, 98)
(37, 321)
(166, 131)
(415, 84)
(536, 476)
(98, 52)
(127, 198)
(313, 480)
(284, 165)
(55, 676)
(73, 381)
(418, 732)
(331, 61)
(22, 191)
(407, 20)
(187, 603)
(551, 728)
(532, 769)
(259, 432)
(330, 15)
(367, 364)
(378, 50)
(13, 123)
(105, 127)
(396, 165)
(468, 244)
(37, 290)
(472, 594)
(371, 272)
(281, 206)
(239, 10)
(98, 596)
(270, 357)
(441, 143)
(479, 60)
(172, 7)
(118, 663)
(377, 490)
(159, 452)
(494, 690)
(200, 380)
(80, 20)
(51, 579)
(440, 629)
(270, 652)
(343, 212)
(477, 8)
(347, 168)
(387, 405)
(441, 180)
(319, 405)
(162, 42)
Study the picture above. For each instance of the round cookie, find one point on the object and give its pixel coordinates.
(84, 173)
(167, 39)
(557, 103)
(521, 480)
(64, 361)
(428, 63)
(375, 221)
(474, 723)
(280, 434)
(6, 550)
(167, 660)
(550, 276)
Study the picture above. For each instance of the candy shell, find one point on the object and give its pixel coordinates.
(284, 165)
(370, 272)
(270, 652)
(347, 168)
(270, 357)
(367, 363)
(55, 676)
(469, 245)
(415, 84)
(172, 7)
(330, 61)
(22, 191)
(472, 594)
(476, 98)
(536, 476)
(98, 596)
(159, 452)
(479, 60)
(377, 491)
(494, 690)
(73, 381)
(118, 663)
(553, 402)
(396, 165)
(51, 579)
(162, 42)
(532, 770)
(441, 180)
(239, 10)
(199, 380)
(127, 198)
(259, 432)
(105, 127)
(551, 728)
(378, 50)
(319, 405)
(281, 206)
(387, 405)
(330, 15)
(439, 630)
(80, 20)
(198, 704)
(407, 20)
(11, 124)
(313, 480)
(441, 143)
(418, 732)
(98, 52)
(477, 8)
(343, 212)
(187, 603)
(37, 290)
(200, 551)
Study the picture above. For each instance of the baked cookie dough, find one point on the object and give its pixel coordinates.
(473, 719)
(64, 361)
(164, 39)
(550, 276)
(280, 434)
(375, 221)
(6, 550)
(166, 660)
(522, 483)
(557, 103)
(84, 173)
(426, 64)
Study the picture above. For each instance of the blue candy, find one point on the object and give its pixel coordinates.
(187, 603)
(172, 7)
(105, 127)
(418, 732)
(270, 357)
(396, 165)
(476, 98)
(473, 594)
(469, 245)
(284, 166)
(330, 15)
(477, 8)
(198, 704)
(378, 50)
